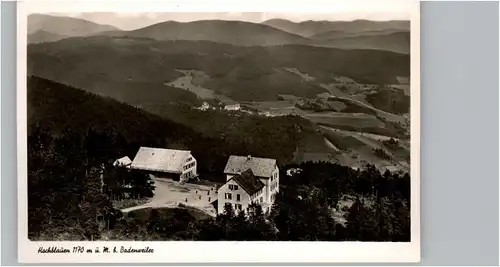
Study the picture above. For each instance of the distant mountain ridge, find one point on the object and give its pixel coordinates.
(42, 36)
(220, 31)
(65, 26)
(48, 28)
(253, 34)
(310, 27)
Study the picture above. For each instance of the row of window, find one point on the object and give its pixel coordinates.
(258, 193)
(189, 159)
(274, 176)
(236, 206)
(188, 174)
(259, 201)
(230, 196)
(233, 187)
(189, 165)
(274, 186)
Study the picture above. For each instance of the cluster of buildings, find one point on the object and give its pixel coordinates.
(233, 107)
(248, 179)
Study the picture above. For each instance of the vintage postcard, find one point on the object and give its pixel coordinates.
(210, 131)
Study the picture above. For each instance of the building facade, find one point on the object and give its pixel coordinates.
(240, 191)
(263, 170)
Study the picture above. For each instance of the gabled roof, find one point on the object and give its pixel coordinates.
(125, 161)
(159, 159)
(248, 182)
(261, 167)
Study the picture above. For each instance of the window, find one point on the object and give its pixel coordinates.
(233, 187)
(188, 166)
(229, 196)
(261, 199)
(238, 197)
(238, 206)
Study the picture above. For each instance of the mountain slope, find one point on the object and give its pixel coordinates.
(59, 107)
(310, 28)
(242, 73)
(65, 26)
(229, 32)
(398, 42)
(42, 36)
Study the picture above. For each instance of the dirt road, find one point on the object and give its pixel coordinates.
(168, 194)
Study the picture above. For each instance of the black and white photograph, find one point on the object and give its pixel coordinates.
(220, 126)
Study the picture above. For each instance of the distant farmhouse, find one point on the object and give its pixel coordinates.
(249, 180)
(204, 106)
(178, 165)
(232, 107)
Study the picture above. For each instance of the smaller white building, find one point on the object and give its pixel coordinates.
(123, 162)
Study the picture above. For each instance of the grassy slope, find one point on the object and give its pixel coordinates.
(391, 100)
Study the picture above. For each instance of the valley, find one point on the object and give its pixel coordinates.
(358, 134)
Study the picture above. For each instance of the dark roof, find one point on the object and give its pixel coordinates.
(248, 182)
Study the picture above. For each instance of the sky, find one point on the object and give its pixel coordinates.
(129, 15)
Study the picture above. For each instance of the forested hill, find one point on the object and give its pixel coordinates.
(61, 110)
